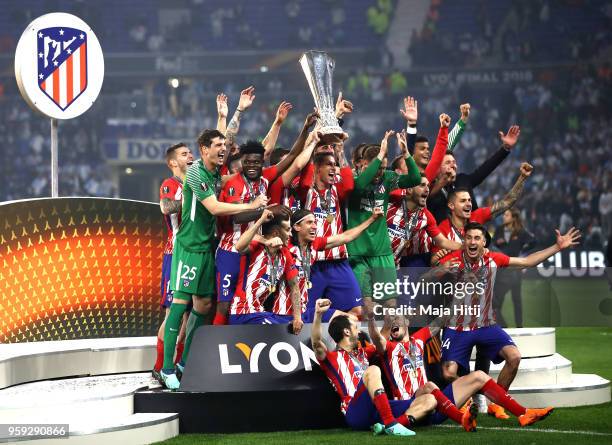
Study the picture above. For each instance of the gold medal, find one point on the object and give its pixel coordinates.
(329, 218)
(272, 288)
(308, 284)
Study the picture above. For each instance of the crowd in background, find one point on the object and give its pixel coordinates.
(564, 119)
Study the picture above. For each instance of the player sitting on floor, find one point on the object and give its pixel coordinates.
(364, 402)
(405, 370)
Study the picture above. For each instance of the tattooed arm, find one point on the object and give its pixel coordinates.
(296, 305)
(169, 206)
(514, 194)
(247, 96)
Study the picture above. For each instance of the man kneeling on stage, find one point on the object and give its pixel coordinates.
(364, 401)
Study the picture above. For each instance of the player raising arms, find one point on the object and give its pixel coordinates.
(412, 228)
(193, 265)
(371, 256)
(304, 247)
(403, 364)
(268, 264)
(460, 205)
(178, 159)
(478, 327)
(243, 188)
(324, 192)
(364, 402)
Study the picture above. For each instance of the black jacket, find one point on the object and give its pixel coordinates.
(437, 204)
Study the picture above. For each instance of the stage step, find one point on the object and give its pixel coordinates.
(73, 400)
(532, 342)
(582, 390)
(29, 362)
(134, 429)
(538, 371)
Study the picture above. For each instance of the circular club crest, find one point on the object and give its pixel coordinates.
(59, 65)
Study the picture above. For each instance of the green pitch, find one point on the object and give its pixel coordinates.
(590, 351)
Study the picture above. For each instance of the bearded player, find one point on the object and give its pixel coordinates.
(477, 327)
(404, 368)
(364, 402)
(178, 159)
(460, 205)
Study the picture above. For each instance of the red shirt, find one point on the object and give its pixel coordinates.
(327, 202)
(258, 275)
(345, 370)
(286, 195)
(283, 305)
(404, 365)
(171, 188)
(411, 229)
(482, 274)
(481, 215)
(238, 190)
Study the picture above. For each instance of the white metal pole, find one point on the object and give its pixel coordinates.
(54, 167)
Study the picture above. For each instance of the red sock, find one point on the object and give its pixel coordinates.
(498, 395)
(159, 361)
(179, 352)
(404, 420)
(381, 402)
(446, 407)
(219, 319)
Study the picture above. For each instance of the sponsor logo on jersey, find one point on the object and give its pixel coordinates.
(166, 189)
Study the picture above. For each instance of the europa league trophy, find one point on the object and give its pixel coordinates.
(319, 68)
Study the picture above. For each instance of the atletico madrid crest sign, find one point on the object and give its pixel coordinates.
(62, 64)
(59, 65)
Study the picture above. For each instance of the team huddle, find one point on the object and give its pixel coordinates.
(266, 235)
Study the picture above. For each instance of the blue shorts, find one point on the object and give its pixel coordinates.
(457, 345)
(260, 318)
(228, 270)
(437, 418)
(166, 293)
(361, 413)
(335, 280)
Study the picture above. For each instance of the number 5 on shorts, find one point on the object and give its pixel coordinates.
(226, 282)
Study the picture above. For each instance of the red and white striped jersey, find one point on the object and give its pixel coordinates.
(282, 194)
(260, 276)
(327, 202)
(482, 275)
(412, 230)
(171, 188)
(404, 365)
(236, 191)
(345, 370)
(283, 305)
(481, 215)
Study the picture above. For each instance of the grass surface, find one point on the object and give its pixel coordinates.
(590, 350)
